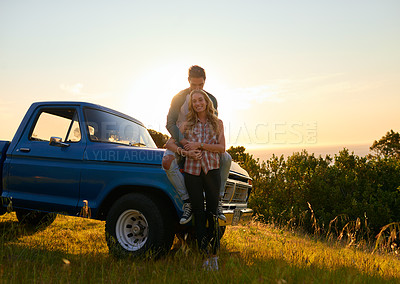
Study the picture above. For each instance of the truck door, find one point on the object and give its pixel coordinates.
(45, 166)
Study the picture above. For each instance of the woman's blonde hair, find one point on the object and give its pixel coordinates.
(191, 117)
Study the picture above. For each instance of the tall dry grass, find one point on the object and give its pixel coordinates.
(73, 250)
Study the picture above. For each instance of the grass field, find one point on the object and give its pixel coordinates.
(73, 250)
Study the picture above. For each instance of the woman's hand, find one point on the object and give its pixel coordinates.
(192, 146)
(194, 154)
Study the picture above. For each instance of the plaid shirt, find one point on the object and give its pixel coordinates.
(203, 133)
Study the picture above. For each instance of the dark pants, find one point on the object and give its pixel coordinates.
(210, 184)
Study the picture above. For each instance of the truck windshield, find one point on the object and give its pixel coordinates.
(106, 127)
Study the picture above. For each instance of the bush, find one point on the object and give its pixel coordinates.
(291, 191)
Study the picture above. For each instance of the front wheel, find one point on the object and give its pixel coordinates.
(136, 225)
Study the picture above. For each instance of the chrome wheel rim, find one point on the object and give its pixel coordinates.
(132, 230)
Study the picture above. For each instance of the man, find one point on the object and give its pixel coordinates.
(177, 115)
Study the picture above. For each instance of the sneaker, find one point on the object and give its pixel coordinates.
(221, 212)
(187, 213)
(214, 263)
(211, 264)
(206, 265)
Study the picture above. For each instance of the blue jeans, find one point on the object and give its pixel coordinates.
(177, 179)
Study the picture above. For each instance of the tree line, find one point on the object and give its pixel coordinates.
(316, 193)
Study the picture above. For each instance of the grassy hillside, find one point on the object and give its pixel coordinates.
(73, 250)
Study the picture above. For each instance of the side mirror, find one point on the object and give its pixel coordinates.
(57, 141)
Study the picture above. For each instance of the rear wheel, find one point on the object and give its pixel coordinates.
(35, 218)
(137, 226)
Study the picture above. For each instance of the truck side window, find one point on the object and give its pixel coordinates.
(57, 122)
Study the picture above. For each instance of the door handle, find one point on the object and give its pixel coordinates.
(25, 150)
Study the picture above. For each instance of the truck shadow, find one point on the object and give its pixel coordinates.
(11, 230)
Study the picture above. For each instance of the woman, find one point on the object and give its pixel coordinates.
(205, 133)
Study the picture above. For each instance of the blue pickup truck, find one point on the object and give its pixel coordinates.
(82, 159)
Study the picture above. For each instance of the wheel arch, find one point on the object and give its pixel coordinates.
(157, 195)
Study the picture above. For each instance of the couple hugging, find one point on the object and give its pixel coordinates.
(198, 135)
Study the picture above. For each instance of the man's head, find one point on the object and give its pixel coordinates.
(197, 77)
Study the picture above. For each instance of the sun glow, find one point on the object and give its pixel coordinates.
(151, 93)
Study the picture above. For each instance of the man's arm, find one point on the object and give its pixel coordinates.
(173, 114)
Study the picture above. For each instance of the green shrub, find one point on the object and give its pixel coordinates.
(310, 192)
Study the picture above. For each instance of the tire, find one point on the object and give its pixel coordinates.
(137, 226)
(35, 218)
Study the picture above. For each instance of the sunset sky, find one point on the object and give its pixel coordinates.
(285, 73)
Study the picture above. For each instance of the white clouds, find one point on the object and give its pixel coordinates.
(257, 95)
(76, 92)
(287, 91)
(275, 92)
(246, 98)
(75, 89)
